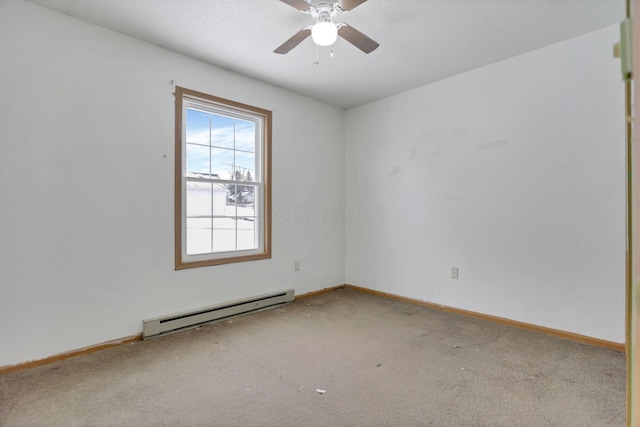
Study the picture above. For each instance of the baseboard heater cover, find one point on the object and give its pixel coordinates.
(164, 325)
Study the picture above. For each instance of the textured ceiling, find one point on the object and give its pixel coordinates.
(421, 41)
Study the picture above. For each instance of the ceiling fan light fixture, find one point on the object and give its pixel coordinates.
(324, 33)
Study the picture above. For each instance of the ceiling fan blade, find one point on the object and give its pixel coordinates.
(293, 41)
(357, 38)
(298, 4)
(350, 4)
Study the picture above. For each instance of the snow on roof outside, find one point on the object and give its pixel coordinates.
(199, 185)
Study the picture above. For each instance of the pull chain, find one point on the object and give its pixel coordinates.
(317, 55)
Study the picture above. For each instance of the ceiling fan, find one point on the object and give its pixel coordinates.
(325, 31)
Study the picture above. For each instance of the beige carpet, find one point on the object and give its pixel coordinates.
(374, 360)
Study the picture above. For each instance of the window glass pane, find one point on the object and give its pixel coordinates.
(245, 166)
(245, 136)
(232, 196)
(198, 127)
(224, 234)
(246, 211)
(197, 159)
(222, 163)
(220, 197)
(222, 131)
(241, 200)
(198, 236)
(247, 233)
(198, 199)
(246, 200)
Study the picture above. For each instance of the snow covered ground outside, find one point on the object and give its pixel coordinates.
(208, 234)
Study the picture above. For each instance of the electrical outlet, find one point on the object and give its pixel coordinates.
(296, 265)
(454, 273)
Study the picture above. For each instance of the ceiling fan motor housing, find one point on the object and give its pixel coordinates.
(324, 10)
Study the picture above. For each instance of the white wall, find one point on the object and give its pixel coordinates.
(86, 186)
(515, 173)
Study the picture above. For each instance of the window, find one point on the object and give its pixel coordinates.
(223, 159)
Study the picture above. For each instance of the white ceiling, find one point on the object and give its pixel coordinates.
(421, 41)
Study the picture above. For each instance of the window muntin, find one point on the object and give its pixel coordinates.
(222, 180)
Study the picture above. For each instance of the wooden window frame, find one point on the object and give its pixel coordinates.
(182, 260)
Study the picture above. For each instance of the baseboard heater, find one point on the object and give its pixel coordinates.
(164, 325)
